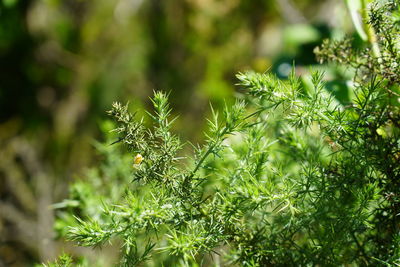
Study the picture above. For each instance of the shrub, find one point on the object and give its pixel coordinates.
(289, 175)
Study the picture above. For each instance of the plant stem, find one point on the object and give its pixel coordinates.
(369, 30)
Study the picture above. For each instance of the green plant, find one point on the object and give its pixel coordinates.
(63, 260)
(287, 176)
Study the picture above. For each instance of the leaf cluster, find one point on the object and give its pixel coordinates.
(288, 177)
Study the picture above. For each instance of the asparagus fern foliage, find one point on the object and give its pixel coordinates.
(288, 176)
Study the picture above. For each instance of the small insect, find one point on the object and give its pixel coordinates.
(137, 159)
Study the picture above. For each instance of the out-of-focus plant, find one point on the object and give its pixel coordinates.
(288, 176)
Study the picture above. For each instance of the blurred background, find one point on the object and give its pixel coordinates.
(63, 62)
